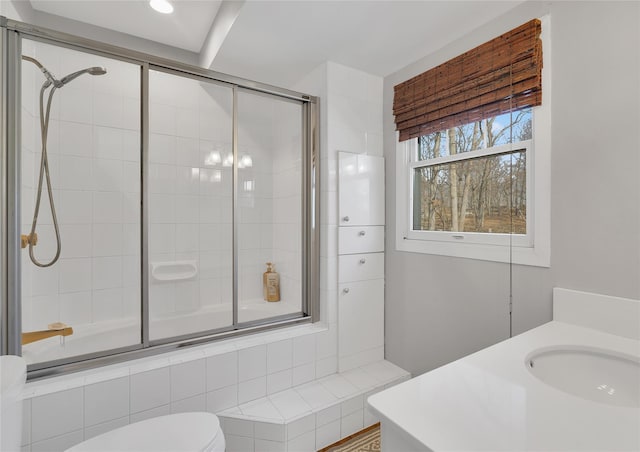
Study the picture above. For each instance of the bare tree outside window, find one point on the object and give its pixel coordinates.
(484, 193)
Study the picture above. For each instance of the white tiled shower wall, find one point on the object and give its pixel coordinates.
(350, 119)
(189, 193)
(94, 159)
(191, 189)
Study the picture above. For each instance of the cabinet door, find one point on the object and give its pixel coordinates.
(360, 316)
(360, 189)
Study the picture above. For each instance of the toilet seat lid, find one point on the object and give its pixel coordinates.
(174, 432)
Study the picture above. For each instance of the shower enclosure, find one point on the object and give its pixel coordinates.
(152, 196)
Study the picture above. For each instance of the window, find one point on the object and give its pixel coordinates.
(478, 190)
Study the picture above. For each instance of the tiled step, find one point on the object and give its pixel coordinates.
(310, 416)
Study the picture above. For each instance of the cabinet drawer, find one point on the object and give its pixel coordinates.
(360, 267)
(360, 239)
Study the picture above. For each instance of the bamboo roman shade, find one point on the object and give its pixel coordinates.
(499, 76)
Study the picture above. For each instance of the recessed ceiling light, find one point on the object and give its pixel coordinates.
(162, 6)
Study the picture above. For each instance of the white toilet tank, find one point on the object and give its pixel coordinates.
(13, 374)
(183, 432)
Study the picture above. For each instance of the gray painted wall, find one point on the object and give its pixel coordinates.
(439, 309)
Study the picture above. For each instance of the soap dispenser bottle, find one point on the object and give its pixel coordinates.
(271, 284)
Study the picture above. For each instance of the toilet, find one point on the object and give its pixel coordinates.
(183, 432)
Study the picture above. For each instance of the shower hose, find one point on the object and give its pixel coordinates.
(44, 172)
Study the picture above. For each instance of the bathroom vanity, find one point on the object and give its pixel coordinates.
(571, 384)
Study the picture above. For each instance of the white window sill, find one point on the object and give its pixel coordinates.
(494, 253)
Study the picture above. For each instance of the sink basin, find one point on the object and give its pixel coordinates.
(591, 373)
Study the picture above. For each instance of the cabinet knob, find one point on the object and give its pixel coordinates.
(345, 219)
(363, 260)
(345, 290)
(361, 233)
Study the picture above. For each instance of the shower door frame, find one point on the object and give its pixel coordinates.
(10, 252)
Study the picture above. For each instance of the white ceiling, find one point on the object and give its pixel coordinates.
(278, 42)
(186, 28)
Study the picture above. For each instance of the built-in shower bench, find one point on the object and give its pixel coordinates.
(309, 416)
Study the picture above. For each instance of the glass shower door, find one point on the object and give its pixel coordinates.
(269, 199)
(80, 148)
(189, 205)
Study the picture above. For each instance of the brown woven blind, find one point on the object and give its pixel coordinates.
(502, 75)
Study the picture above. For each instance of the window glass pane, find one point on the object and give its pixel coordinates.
(486, 194)
(503, 129)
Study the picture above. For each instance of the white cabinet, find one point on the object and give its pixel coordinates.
(360, 260)
(360, 189)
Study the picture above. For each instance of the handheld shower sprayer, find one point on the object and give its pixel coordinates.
(54, 83)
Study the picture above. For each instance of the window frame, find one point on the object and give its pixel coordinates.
(532, 249)
(470, 236)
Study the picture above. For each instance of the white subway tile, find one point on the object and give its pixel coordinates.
(187, 379)
(107, 110)
(77, 239)
(328, 415)
(106, 401)
(239, 443)
(75, 173)
(222, 399)
(327, 434)
(351, 423)
(290, 404)
(59, 443)
(252, 389)
(351, 405)
(270, 431)
(148, 414)
(252, 363)
(99, 429)
(303, 443)
(75, 139)
(107, 239)
(107, 143)
(261, 408)
(56, 414)
(75, 207)
(300, 426)
(303, 374)
(75, 275)
(150, 389)
(107, 207)
(262, 445)
(238, 427)
(222, 370)
(316, 395)
(196, 403)
(279, 356)
(107, 272)
(107, 175)
(279, 381)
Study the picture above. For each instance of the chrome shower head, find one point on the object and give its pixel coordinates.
(96, 70)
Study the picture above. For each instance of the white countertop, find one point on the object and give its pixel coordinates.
(490, 401)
